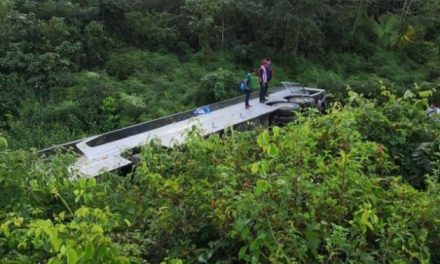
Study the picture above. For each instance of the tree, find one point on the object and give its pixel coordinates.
(210, 21)
(226, 13)
(5, 7)
(200, 16)
(292, 25)
(96, 43)
(150, 29)
(55, 31)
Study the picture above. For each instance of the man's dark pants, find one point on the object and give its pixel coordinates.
(263, 91)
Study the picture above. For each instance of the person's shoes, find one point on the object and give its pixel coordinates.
(247, 106)
(263, 101)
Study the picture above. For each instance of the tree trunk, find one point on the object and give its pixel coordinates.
(296, 41)
(222, 30)
(5, 29)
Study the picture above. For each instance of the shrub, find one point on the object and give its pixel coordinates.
(366, 84)
(422, 52)
(218, 85)
(125, 63)
(328, 188)
(329, 80)
(345, 63)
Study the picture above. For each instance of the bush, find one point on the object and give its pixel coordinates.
(326, 189)
(216, 86)
(325, 79)
(366, 84)
(345, 63)
(401, 70)
(402, 126)
(422, 52)
(163, 64)
(125, 63)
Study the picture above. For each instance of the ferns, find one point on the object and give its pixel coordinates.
(387, 30)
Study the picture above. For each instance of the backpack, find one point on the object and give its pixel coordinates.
(202, 110)
(242, 86)
(248, 76)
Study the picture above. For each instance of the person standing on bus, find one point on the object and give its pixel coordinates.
(262, 74)
(245, 86)
(269, 73)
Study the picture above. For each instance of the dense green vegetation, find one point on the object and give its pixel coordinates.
(358, 185)
(328, 189)
(71, 68)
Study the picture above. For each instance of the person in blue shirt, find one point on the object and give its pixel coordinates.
(246, 85)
